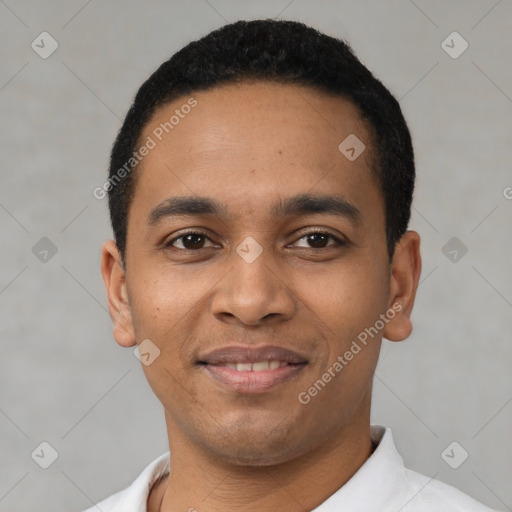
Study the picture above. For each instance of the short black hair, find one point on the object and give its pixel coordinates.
(279, 51)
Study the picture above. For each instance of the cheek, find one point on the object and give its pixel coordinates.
(344, 305)
(348, 297)
(164, 313)
(161, 304)
(167, 309)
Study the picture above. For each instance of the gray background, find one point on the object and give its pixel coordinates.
(63, 379)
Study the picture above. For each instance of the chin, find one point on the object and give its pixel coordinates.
(256, 447)
(257, 457)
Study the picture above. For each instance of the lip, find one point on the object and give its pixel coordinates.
(252, 382)
(242, 354)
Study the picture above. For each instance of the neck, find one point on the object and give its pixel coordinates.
(199, 481)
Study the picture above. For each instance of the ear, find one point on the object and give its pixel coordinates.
(404, 278)
(115, 283)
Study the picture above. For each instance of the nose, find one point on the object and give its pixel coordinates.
(255, 293)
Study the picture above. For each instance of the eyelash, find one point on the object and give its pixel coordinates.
(338, 241)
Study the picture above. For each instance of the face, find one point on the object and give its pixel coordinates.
(256, 256)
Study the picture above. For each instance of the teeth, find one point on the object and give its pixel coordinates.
(258, 366)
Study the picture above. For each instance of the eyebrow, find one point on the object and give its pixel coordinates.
(303, 204)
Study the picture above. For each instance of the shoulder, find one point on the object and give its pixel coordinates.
(431, 494)
(109, 504)
(401, 488)
(134, 498)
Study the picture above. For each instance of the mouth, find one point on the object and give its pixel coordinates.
(252, 370)
(258, 366)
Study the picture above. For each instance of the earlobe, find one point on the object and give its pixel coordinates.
(404, 279)
(117, 294)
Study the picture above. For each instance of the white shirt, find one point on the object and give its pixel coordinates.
(382, 484)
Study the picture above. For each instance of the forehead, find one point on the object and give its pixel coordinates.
(248, 143)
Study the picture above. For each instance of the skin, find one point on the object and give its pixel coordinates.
(247, 146)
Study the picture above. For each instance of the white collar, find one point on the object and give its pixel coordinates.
(375, 482)
(381, 484)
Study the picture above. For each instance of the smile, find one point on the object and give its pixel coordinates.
(258, 366)
(253, 378)
(252, 369)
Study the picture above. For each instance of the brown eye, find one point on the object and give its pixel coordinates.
(319, 240)
(189, 241)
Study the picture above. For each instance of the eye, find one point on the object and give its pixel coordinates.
(195, 240)
(189, 241)
(318, 240)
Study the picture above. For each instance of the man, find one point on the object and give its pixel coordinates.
(260, 191)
